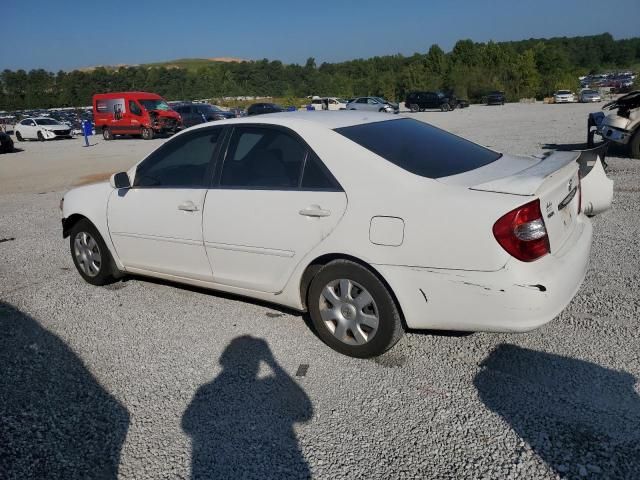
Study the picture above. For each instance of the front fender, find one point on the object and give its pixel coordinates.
(91, 201)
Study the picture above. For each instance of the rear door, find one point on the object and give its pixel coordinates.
(273, 202)
(156, 226)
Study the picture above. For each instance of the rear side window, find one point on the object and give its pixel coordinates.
(420, 148)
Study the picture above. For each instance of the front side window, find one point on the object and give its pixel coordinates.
(260, 157)
(181, 162)
(420, 148)
(134, 108)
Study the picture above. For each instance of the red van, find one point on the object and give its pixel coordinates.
(133, 113)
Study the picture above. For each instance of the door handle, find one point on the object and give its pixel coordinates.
(188, 206)
(314, 211)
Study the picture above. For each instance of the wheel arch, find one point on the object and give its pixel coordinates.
(70, 221)
(315, 265)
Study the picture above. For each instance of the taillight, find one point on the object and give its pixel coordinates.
(522, 232)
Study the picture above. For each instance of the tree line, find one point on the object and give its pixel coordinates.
(526, 68)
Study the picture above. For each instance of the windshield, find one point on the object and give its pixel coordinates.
(47, 121)
(381, 100)
(563, 92)
(420, 148)
(590, 92)
(149, 104)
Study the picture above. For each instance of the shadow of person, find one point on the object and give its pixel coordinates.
(241, 426)
(56, 421)
(582, 419)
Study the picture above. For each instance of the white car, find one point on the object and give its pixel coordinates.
(564, 96)
(371, 222)
(41, 128)
(328, 103)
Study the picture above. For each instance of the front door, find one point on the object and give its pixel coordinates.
(156, 225)
(273, 202)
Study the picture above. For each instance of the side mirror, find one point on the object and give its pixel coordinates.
(120, 180)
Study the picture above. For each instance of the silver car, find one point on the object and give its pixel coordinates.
(587, 96)
(373, 104)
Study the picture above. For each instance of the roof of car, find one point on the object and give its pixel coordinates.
(325, 118)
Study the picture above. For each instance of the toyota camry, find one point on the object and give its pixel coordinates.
(372, 223)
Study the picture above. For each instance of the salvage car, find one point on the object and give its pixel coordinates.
(373, 104)
(134, 113)
(495, 98)
(587, 96)
(443, 234)
(262, 108)
(622, 126)
(420, 101)
(41, 128)
(564, 96)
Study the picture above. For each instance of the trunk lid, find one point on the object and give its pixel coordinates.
(552, 178)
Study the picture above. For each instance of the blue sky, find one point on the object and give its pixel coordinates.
(134, 31)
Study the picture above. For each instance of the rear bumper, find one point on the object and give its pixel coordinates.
(517, 298)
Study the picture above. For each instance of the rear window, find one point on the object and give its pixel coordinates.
(420, 148)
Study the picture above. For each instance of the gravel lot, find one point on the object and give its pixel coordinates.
(149, 380)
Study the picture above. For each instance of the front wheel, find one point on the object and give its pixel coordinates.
(19, 137)
(352, 310)
(634, 145)
(40, 136)
(90, 254)
(147, 133)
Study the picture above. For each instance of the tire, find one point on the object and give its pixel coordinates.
(19, 137)
(147, 133)
(445, 107)
(94, 269)
(338, 324)
(414, 108)
(634, 145)
(40, 136)
(106, 134)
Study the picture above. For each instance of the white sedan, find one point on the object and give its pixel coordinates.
(564, 96)
(370, 222)
(41, 128)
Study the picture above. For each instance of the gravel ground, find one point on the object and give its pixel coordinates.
(149, 380)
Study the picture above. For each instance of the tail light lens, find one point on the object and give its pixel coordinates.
(579, 193)
(522, 232)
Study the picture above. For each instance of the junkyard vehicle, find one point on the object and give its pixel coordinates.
(133, 113)
(41, 128)
(6, 143)
(564, 96)
(373, 104)
(196, 113)
(622, 126)
(495, 98)
(328, 103)
(260, 108)
(419, 101)
(588, 95)
(443, 234)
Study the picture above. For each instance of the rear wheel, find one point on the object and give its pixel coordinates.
(19, 137)
(90, 254)
(106, 134)
(147, 133)
(40, 136)
(352, 310)
(634, 145)
(414, 108)
(445, 107)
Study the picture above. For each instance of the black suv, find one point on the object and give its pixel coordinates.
(419, 101)
(259, 108)
(496, 98)
(195, 113)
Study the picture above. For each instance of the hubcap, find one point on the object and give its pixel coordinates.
(349, 311)
(87, 254)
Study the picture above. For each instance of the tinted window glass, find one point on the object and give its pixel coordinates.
(180, 163)
(134, 108)
(316, 176)
(419, 147)
(262, 158)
